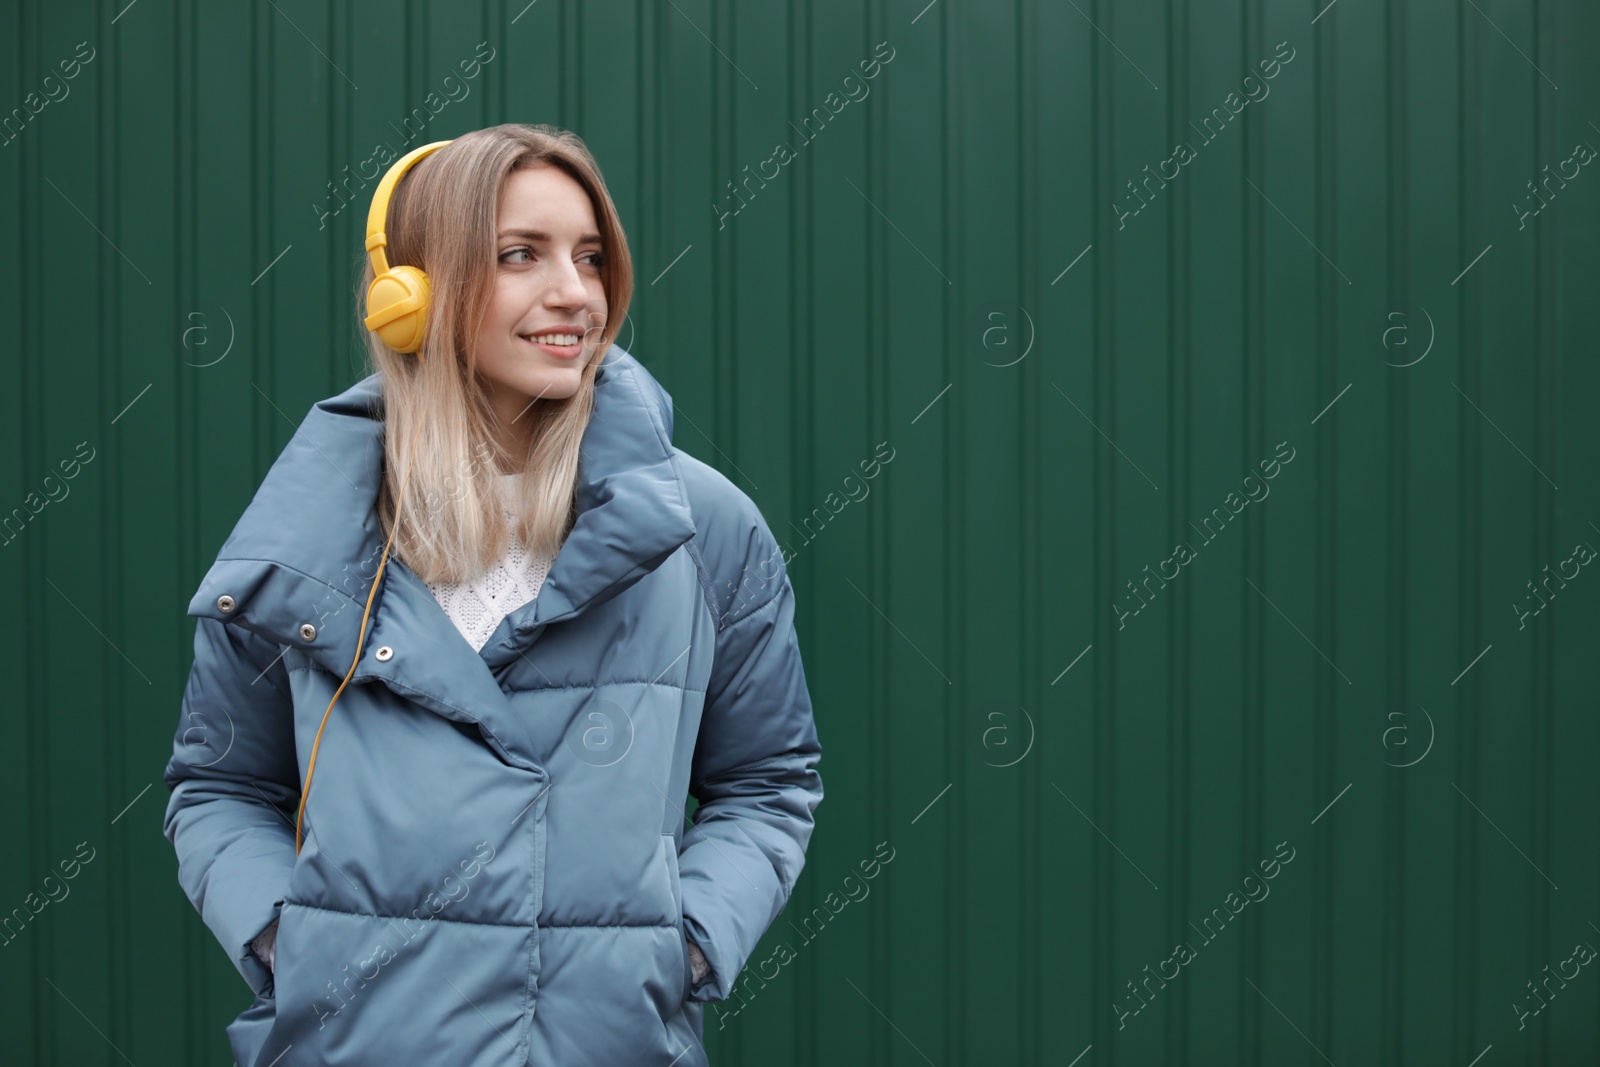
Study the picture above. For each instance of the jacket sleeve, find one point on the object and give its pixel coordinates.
(754, 774)
(234, 783)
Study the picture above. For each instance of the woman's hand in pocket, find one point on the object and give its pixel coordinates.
(697, 964)
(265, 946)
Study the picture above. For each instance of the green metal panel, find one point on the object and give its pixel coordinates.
(1076, 744)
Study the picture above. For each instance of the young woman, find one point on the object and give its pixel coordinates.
(478, 634)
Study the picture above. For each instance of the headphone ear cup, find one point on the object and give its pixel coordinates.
(397, 307)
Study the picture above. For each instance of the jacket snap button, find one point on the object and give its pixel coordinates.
(385, 654)
(224, 604)
(308, 631)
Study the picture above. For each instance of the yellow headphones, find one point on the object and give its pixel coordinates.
(397, 299)
(397, 311)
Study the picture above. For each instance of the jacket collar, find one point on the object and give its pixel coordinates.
(307, 547)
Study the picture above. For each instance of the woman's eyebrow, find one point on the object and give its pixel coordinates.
(536, 235)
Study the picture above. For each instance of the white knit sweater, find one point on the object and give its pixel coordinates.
(477, 605)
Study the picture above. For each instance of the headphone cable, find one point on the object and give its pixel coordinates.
(361, 637)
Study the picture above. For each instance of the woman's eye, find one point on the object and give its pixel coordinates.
(524, 254)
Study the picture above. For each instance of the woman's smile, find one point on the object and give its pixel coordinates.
(564, 342)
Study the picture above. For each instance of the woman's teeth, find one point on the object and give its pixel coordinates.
(563, 339)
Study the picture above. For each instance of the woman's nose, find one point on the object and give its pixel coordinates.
(566, 288)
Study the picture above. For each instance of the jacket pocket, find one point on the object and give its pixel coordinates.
(669, 846)
(363, 989)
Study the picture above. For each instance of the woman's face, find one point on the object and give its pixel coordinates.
(549, 306)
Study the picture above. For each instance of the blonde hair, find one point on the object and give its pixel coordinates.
(442, 218)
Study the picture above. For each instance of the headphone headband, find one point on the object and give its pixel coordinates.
(397, 300)
(377, 240)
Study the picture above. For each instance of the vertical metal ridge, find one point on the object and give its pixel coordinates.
(109, 291)
(1177, 324)
(1537, 918)
(1325, 745)
(346, 311)
(494, 85)
(724, 368)
(1253, 671)
(802, 430)
(1103, 551)
(1180, 715)
(1470, 318)
(880, 969)
(36, 771)
(1171, 907)
(1396, 541)
(956, 557)
(337, 355)
(260, 140)
(1545, 267)
(1460, 1019)
(1029, 969)
(187, 483)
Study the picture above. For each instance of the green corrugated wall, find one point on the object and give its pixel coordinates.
(1076, 740)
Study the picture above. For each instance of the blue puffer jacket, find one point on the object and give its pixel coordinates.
(495, 868)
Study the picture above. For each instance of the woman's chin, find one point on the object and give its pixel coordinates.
(558, 382)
